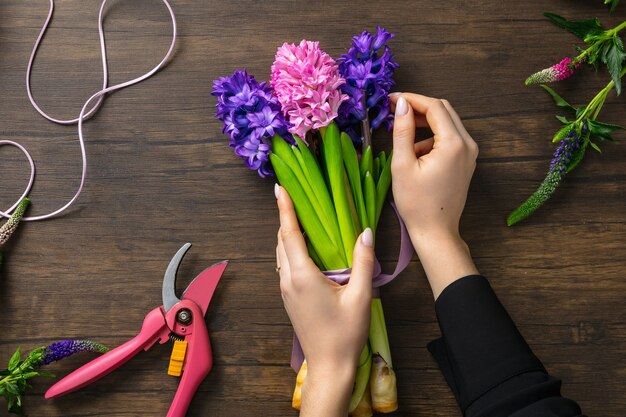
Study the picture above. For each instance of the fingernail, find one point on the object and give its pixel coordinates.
(367, 238)
(401, 107)
(394, 94)
(276, 190)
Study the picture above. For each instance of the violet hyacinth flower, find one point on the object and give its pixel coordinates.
(557, 72)
(60, 350)
(251, 115)
(306, 80)
(369, 79)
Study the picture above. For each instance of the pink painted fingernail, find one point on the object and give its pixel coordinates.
(401, 107)
(367, 238)
(276, 190)
(394, 94)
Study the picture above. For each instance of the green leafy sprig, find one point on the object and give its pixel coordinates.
(603, 45)
(576, 136)
(14, 380)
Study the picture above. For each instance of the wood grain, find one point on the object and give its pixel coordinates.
(160, 173)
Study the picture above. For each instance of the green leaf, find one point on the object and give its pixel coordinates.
(564, 131)
(613, 56)
(601, 130)
(367, 161)
(11, 388)
(596, 147)
(558, 99)
(14, 361)
(328, 252)
(369, 191)
(334, 164)
(580, 28)
(383, 187)
(351, 162)
(563, 120)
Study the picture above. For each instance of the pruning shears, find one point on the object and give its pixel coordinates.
(180, 320)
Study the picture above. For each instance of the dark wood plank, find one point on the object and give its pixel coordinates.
(160, 174)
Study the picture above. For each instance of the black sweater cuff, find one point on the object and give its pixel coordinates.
(480, 347)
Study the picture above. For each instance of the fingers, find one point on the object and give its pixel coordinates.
(457, 120)
(292, 239)
(439, 119)
(403, 133)
(362, 265)
(282, 263)
(423, 147)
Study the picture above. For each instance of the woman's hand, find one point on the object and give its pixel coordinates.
(430, 180)
(331, 321)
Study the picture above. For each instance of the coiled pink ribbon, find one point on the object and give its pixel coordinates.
(95, 101)
(342, 276)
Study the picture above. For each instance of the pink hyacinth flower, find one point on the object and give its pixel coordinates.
(306, 81)
(557, 72)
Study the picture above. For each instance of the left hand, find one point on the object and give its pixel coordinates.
(331, 321)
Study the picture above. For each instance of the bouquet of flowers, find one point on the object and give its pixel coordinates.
(311, 126)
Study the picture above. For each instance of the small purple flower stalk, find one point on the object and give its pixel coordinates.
(557, 72)
(61, 350)
(369, 79)
(251, 115)
(561, 162)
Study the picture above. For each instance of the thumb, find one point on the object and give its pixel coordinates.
(362, 265)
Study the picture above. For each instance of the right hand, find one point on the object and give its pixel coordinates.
(430, 180)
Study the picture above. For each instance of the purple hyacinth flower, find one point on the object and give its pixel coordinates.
(60, 350)
(368, 69)
(251, 115)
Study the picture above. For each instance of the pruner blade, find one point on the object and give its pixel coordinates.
(169, 280)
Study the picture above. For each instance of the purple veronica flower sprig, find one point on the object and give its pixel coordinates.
(61, 350)
(368, 69)
(14, 380)
(251, 115)
(562, 160)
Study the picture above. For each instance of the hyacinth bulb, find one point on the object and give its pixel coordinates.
(383, 386)
(364, 407)
(296, 400)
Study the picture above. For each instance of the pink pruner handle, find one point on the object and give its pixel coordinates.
(153, 329)
(198, 360)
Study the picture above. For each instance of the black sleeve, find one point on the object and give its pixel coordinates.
(487, 363)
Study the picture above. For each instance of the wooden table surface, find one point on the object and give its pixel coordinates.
(160, 174)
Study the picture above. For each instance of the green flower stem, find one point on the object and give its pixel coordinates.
(334, 165)
(351, 162)
(362, 376)
(378, 332)
(595, 105)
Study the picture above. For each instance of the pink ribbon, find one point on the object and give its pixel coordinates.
(342, 276)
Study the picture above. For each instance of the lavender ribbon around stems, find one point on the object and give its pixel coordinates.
(342, 276)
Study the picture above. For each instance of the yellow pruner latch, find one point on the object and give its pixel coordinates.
(178, 358)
